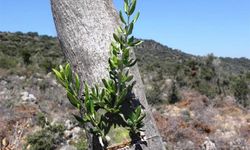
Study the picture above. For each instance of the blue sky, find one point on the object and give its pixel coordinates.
(199, 27)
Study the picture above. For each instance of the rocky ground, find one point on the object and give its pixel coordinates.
(23, 98)
(198, 123)
(195, 122)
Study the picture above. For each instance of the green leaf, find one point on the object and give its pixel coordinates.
(140, 125)
(92, 107)
(120, 30)
(126, 53)
(114, 46)
(86, 93)
(93, 91)
(136, 17)
(104, 81)
(131, 27)
(132, 63)
(130, 87)
(136, 43)
(58, 74)
(129, 122)
(61, 68)
(102, 94)
(141, 118)
(122, 18)
(129, 78)
(80, 120)
(122, 97)
(68, 72)
(77, 83)
(133, 117)
(97, 90)
(138, 112)
(126, 6)
(73, 99)
(112, 64)
(131, 40)
(117, 39)
(132, 9)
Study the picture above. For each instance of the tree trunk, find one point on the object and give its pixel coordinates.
(85, 29)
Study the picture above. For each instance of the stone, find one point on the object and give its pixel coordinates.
(208, 145)
(5, 142)
(28, 97)
(68, 147)
(68, 134)
(73, 133)
(28, 147)
(69, 124)
(3, 82)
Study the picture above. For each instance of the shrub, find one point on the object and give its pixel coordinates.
(41, 120)
(47, 138)
(7, 62)
(174, 96)
(241, 91)
(81, 144)
(41, 140)
(26, 57)
(207, 89)
(153, 95)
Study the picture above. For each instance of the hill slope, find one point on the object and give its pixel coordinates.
(207, 94)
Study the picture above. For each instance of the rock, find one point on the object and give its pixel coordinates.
(68, 134)
(185, 145)
(28, 147)
(190, 145)
(5, 142)
(26, 97)
(72, 134)
(76, 131)
(239, 143)
(3, 82)
(69, 124)
(68, 147)
(208, 145)
(22, 77)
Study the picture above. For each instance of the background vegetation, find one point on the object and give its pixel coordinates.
(29, 53)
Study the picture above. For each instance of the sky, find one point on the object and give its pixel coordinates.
(199, 27)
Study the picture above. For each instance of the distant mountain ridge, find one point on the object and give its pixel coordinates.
(156, 49)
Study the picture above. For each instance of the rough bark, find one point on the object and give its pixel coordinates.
(85, 29)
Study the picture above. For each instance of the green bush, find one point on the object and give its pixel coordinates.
(174, 96)
(207, 89)
(41, 140)
(81, 144)
(207, 73)
(241, 91)
(153, 95)
(7, 62)
(41, 120)
(47, 138)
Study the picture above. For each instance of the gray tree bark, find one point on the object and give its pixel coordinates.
(85, 29)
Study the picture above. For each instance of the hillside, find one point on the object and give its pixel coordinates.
(195, 100)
